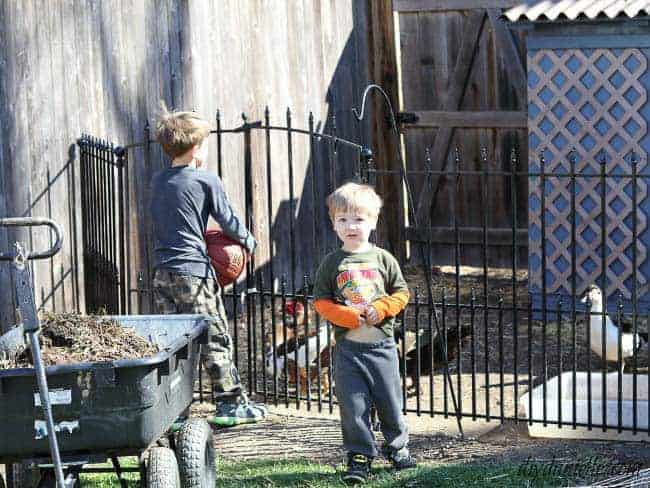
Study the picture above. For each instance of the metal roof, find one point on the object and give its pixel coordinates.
(548, 10)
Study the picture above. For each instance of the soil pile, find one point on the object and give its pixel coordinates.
(72, 338)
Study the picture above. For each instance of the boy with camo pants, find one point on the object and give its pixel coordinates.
(183, 197)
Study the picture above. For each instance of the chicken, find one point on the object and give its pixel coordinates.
(299, 350)
(629, 341)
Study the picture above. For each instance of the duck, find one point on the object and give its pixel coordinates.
(630, 342)
(428, 349)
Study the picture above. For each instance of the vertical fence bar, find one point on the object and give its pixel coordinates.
(330, 399)
(403, 361)
(296, 350)
(515, 257)
(574, 271)
(558, 318)
(588, 313)
(530, 358)
(428, 167)
(113, 169)
(501, 372)
(253, 330)
(235, 311)
(272, 284)
(269, 201)
(292, 212)
(250, 264)
(443, 301)
(543, 232)
(619, 400)
(124, 282)
(314, 195)
(147, 228)
(263, 333)
(430, 312)
(485, 207)
(305, 304)
(101, 224)
(472, 316)
(418, 364)
(635, 305)
(331, 153)
(457, 278)
(319, 364)
(95, 220)
(83, 175)
(219, 145)
(285, 365)
(107, 238)
(603, 258)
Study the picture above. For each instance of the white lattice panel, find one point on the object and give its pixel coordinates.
(588, 100)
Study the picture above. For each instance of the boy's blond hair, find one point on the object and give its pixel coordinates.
(354, 197)
(178, 132)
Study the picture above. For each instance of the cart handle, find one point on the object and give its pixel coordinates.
(33, 222)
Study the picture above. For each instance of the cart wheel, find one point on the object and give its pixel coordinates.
(20, 475)
(48, 479)
(162, 469)
(196, 458)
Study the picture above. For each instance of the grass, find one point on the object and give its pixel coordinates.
(306, 474)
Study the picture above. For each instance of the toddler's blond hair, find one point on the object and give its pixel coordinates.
(177, 132)
(354, 197)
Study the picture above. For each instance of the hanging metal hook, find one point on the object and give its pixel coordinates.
(424, 255)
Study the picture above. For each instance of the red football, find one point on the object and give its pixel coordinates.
(227, 255)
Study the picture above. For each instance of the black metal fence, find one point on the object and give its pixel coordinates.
(105, 224)
(503, 332)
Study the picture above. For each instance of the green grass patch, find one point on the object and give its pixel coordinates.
(306, 474)
(303, 473)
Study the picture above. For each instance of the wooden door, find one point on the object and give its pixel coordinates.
(462, 75)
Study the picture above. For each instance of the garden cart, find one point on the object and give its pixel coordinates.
(105, 410)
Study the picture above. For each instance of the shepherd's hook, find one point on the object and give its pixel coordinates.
(424, 255)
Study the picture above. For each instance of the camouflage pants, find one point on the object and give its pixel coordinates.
(176, 293)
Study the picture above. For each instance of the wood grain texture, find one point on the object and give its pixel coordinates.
(73, 66)
(490, 114)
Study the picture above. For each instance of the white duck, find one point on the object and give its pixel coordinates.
(629, 341)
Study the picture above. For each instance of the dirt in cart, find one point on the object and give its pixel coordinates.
(72, 338)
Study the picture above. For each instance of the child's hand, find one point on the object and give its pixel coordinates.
(371, 315)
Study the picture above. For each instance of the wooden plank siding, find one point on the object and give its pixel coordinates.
(461, 74)
(73, 66)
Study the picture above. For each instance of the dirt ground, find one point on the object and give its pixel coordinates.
(500, 377)
(290, 434)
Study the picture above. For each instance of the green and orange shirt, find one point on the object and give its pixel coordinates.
(347, 282)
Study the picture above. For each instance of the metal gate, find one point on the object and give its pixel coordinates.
(105, 230)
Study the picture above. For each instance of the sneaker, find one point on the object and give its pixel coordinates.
(402, 459)
(240, 411)
(358, 469)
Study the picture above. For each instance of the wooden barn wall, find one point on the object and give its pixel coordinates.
(69, 67)
(430, 42)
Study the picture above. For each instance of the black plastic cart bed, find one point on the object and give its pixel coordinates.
(105, 410)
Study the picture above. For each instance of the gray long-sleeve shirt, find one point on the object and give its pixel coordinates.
(182, 199)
